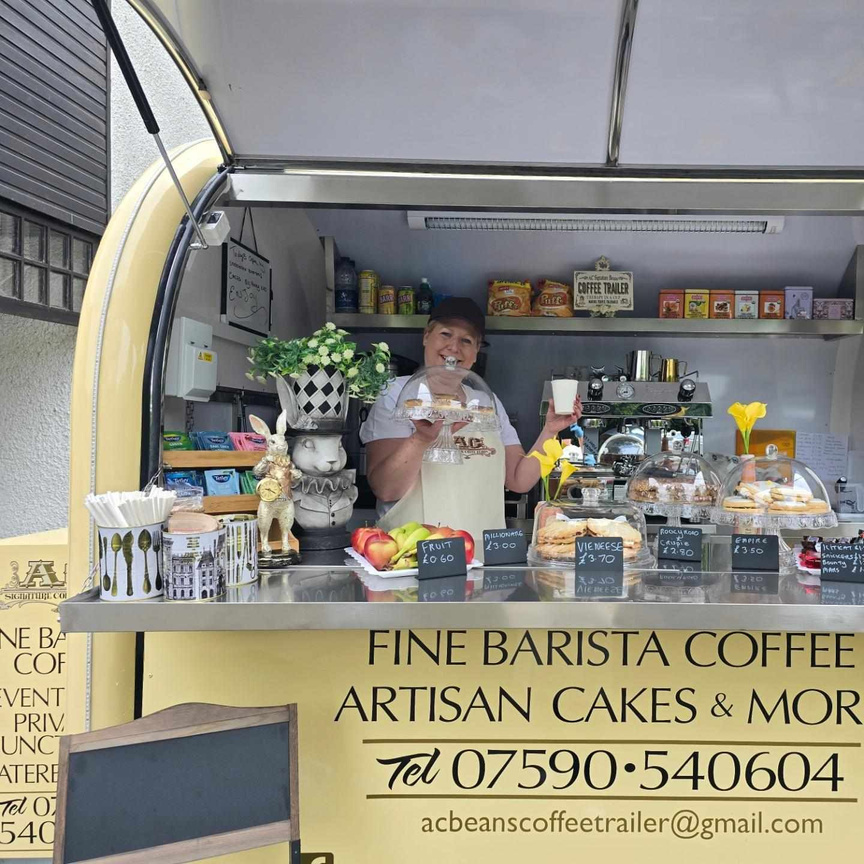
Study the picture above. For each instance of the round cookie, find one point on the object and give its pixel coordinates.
(739, 502)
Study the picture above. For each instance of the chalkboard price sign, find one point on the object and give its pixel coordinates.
(755, 552)
(439, 558)
(843, 562)
(842, 593)
(448, 589)
(599, 566)
(504, 547)
(755, 583)
(679, 544)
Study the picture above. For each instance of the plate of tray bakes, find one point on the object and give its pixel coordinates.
(449, 393)
(451, 409)
(558, 525)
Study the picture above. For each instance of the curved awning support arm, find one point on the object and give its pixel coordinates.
(115, 42)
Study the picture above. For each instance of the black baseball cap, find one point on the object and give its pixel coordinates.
(464, 308)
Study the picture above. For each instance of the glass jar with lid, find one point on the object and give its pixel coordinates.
(451, 394)
(674, 485)
(558, 524)
(772, 492)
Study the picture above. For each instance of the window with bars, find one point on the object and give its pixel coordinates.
(43, 266)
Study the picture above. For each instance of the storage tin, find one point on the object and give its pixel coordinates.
(771, 304)
(721, 304)
(129, 563)
(193, 565)
(834, 309)
(799, 302)
(241, 548)
(696, 304)
(671, 304)
(746, 304)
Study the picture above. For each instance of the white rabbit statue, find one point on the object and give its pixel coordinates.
(326, 493)
(276, 474)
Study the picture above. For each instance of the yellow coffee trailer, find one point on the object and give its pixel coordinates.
(714, 711)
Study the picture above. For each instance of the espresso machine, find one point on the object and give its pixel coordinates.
(625, 420)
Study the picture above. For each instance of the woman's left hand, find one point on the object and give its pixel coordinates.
(555, 423)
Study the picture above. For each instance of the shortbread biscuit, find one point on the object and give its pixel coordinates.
(787, 507)
(738, 502)
(559, 531)
(557, 551)
(791, 493)
(628, 534)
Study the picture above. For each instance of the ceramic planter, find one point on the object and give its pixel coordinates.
(322, 397)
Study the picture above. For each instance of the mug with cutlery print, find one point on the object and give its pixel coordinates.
(130, 567)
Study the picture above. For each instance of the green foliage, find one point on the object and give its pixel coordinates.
(366, 373)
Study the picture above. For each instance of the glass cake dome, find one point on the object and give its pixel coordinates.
(557, 525)
(774, 491)
(674, 484)
(451, 394)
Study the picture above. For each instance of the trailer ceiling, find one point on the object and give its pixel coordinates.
(735, 83)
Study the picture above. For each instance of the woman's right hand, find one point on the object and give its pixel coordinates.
(426, 430)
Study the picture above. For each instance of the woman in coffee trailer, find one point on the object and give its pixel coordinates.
(468, 496)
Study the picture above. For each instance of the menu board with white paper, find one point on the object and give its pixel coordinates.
(826, 455)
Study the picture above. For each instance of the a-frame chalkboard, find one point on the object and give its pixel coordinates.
(186, 783)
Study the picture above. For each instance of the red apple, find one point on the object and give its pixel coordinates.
(469, 545)
(360, 535)
(373, 534)
(379, 550)
(444, 531)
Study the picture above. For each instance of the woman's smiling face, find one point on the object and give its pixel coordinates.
(454, 338)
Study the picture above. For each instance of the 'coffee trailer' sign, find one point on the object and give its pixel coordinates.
(602, 290)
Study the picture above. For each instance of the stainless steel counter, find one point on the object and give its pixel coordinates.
(330, 597)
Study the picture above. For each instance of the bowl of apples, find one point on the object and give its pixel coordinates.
(394, 553)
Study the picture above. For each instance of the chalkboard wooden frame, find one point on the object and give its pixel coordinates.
(223, 305)
(182, 721)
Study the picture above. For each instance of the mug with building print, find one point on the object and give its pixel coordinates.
(193, 564)
(241, 548)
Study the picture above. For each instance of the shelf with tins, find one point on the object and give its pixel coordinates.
(851, 286)
(681, 327)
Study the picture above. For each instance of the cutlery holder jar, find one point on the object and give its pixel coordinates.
(241, 548)
(130, 564)
(194, 565)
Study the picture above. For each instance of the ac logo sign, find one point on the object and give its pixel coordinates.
(40, 584)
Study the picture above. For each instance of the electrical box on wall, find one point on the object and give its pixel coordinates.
(192, 362)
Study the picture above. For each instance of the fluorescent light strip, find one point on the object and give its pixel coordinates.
(447, 223)
(578, 222)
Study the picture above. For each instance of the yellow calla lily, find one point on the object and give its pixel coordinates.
(746, 417)
(553, 452)
(566, 470)
(548, 459)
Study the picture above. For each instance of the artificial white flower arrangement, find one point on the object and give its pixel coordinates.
(367, 373)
